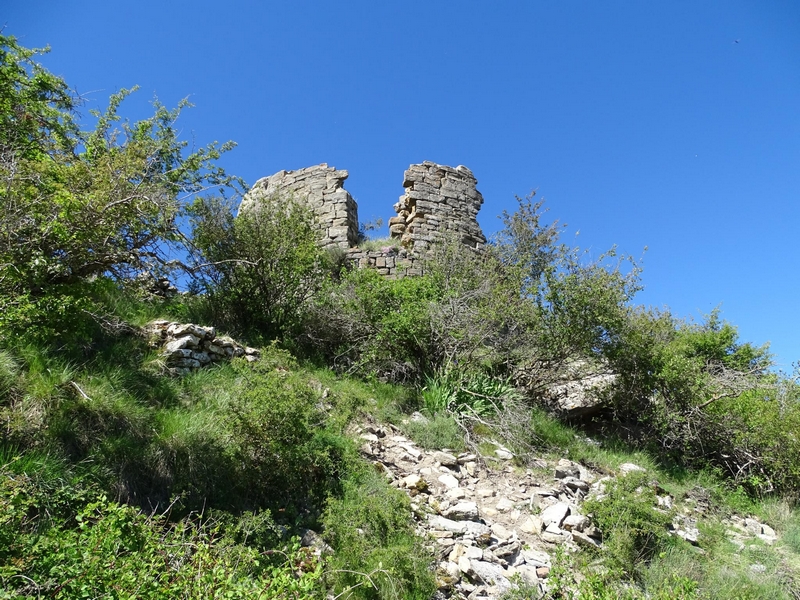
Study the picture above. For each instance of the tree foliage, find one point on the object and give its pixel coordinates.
(260, 267)
(365, 323)
(526, 247)
(698, 391)
(78, 208)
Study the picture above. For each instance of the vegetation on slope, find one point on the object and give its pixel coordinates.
(118, 481)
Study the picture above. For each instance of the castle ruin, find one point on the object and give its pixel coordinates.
(439, 202)
(321, 188)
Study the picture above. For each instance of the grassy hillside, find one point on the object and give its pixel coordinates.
(120, 481)
(243, 479)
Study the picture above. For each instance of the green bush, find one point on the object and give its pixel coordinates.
(104, 549)
(634, 531)
(377, 554)
(707, 398)
(436, 432)
(761, 428)
(369, 324)
(551, 304)
(262, 266)
(279, 439)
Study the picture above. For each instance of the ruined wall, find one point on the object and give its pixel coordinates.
(391, 263)
(186, 347)
(439, 200)
(321, 188)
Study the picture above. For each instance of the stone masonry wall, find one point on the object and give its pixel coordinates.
(186, 347)
(438, 200)
(321, 187)
(391, 263)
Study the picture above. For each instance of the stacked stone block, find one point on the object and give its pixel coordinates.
(321, 188)
(391, 263)
(186, 347)
(439, 202)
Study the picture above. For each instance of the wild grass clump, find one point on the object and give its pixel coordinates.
(791, 535)
(436, 432)
(383, 244)
(9, 371)
(464, 393)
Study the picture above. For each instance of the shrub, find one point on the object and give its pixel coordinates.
(104, 549)
(279, 439)
(760, 445)
(377, 554)
(436, 432)
(369, 324)
(634, 531)
(707, 398)
(261, 267)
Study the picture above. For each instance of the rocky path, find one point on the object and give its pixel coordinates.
(489, 521)
(492, 524)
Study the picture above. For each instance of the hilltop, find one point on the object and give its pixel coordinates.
(202, 397)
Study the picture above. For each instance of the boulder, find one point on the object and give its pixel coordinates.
(463, 511)
(555, 514)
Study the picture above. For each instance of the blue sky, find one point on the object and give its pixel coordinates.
(668, 125)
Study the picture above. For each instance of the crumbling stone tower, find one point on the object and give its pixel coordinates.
(438, 200)
(321, 188)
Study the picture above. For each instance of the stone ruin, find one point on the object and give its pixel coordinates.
(186, 347)
(321, 188)
(439, 202)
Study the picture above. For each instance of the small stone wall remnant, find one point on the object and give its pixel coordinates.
(439, 200)
(187, 347)
(391, 263)
(321, 188)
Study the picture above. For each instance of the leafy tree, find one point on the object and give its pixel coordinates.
(80, 209)
(260, 267)
(699, 393)
(531, 305)
(527, 248)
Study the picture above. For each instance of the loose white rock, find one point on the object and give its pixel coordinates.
(555, 514)
(504, 505)
(448, 481)
(626, 468)
(463, 511)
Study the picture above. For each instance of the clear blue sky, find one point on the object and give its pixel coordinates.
(672, 125)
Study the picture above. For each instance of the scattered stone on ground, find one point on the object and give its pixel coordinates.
(489, 524)
(187, 347)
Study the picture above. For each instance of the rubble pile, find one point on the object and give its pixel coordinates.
(186, 347)
(492, 525)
